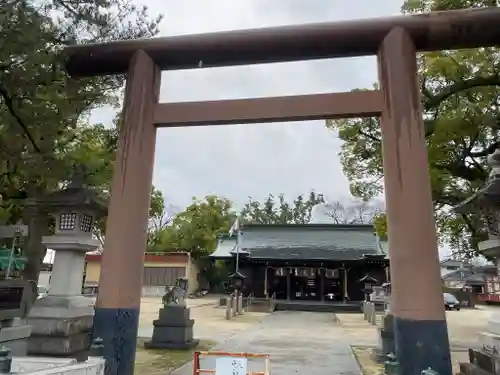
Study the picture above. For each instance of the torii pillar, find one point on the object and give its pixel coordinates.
(421, 335)
(120, 283)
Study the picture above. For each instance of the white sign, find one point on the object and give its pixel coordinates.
(231, 366)
(9, 231)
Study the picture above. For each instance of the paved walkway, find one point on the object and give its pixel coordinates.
(299, 343)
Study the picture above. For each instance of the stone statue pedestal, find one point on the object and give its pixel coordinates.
(173, 329)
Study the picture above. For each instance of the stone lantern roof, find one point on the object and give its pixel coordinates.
(76, 196)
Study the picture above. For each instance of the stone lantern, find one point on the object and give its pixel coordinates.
(237, 279)
(486, 202)
(368, 283)
(62, 321)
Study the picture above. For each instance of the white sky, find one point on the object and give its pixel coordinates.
(239, 161)
(254, 160)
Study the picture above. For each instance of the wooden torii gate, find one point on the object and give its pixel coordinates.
(417, 301)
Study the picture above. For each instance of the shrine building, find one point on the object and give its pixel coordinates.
(306, 263)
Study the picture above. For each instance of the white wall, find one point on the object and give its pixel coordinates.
(44, 278)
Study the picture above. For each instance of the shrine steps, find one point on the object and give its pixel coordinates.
(317, 306)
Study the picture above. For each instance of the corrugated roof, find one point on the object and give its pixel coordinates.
(303, 241)
(309, 241)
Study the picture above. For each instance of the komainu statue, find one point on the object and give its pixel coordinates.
(175, 295)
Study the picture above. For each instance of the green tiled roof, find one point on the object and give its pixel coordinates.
(306, 241)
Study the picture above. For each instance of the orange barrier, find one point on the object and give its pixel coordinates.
(196, 361)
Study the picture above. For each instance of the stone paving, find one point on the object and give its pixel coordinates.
(301, 342)
(298, 342)
(210, 322)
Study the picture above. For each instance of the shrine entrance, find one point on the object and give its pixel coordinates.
(417, 301)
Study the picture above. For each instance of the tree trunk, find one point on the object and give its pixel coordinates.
(34, 249)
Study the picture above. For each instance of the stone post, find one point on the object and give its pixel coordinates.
(228, 308)
(240, 304)
(374, 315)
(386, 331)
(62, 321)
(234, 304)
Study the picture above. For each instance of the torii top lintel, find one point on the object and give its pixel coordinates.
(468, 28)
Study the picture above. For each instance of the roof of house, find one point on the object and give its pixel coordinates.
(303, 241)
(467, 276)
(454, 263)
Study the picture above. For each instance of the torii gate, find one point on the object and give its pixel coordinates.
(417, 301)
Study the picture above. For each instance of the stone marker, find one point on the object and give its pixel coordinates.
(228, 308)
(62, 321)
(234, 304)
(173, 329)
(240, 304)
(15, 300)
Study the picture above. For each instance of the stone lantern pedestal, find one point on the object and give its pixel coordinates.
(487, 358)
(62, 321)
(486, 202)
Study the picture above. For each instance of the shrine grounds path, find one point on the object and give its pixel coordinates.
(299, 343)
(305, 343)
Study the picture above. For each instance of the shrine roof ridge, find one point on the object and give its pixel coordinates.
(455, 29)
(354, 227)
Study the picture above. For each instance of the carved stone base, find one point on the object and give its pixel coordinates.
(61, 326)
(173, 329)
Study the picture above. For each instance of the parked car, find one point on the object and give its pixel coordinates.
(451, 302)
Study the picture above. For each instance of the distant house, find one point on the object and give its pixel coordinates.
(160, 270)
(483, 281)
(452, 265)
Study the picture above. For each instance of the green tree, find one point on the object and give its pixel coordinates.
(161, 215)
(41, 108)
(196, 228)
(460, 101)
(279, 211)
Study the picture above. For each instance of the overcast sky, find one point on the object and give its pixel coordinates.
(254, 160)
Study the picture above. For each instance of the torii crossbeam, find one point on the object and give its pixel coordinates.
(417, 301)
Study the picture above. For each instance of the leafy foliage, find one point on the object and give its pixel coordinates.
(43, 129)
(196, 228)
(279, 211)
(460, 97)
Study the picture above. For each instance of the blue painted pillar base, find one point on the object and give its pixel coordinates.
(421, 344)
(118, 330)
